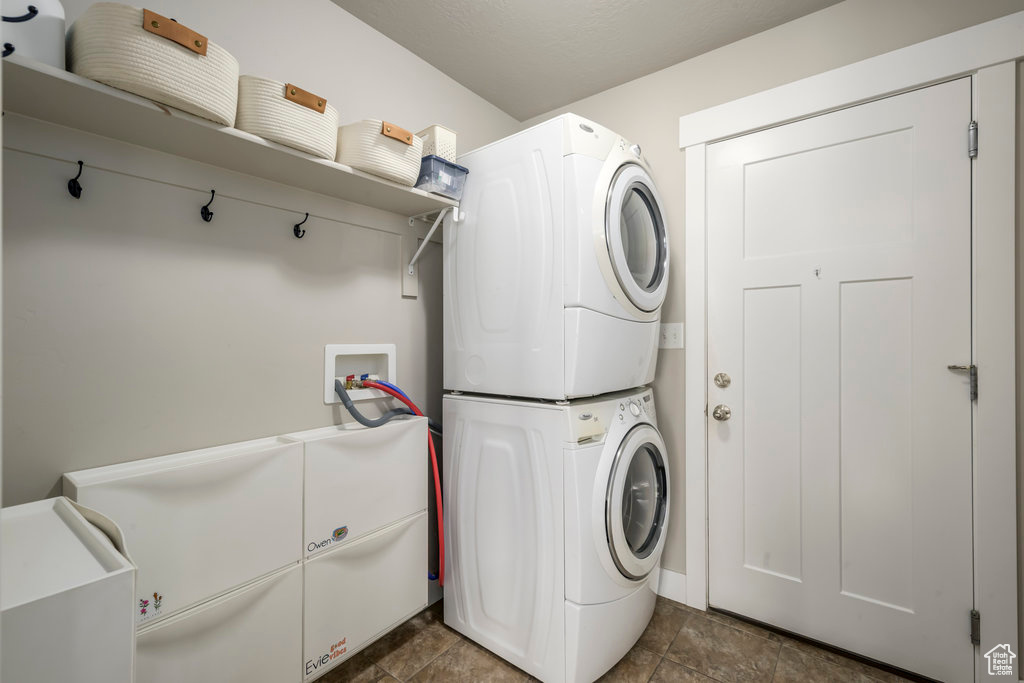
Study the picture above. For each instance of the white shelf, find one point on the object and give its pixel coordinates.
(42, 92)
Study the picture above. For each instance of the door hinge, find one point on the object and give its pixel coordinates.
(972, 140)
(975, 627)
(972, 371)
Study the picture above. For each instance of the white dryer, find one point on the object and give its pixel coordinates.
(553, 283)
(554, 525)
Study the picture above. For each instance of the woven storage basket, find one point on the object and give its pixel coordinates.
(109, 44)
(439, 141)
(381, 148)
(286, 114)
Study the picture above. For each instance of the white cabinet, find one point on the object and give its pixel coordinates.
(253, 633)
(358, 480)
(358, 592)
(66, 596)
(203, 522)
(225, 591)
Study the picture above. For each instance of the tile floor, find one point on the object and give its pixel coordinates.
(680, 644)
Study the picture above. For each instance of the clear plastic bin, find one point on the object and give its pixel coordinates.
(442, 177)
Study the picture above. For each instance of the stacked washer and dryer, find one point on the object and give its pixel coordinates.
(555, 476)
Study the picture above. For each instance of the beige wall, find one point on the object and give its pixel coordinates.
(132, 329)
(647, 111)
(321, 48)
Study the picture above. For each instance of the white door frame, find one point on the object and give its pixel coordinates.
(988, 52)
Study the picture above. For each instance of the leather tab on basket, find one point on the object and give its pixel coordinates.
(173, 31)
(393, 131)
(305, 98)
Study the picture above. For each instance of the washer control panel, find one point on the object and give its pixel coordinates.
(592, 418)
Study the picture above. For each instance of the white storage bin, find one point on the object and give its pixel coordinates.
(253, 633)
(381, 148)
(150, 55)
(358, 592)
(438, 141)
(34, 29)
(201, 523)
(66, 595)
(287, 114)
(359, 480)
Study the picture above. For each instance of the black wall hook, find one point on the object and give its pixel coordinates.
(299, 232)
(8, 50)
(32, 11)
(205, 211)
(75, 187)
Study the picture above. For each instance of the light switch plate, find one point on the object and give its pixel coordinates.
(670, 336)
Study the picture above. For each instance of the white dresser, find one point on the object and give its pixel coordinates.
(66, 594)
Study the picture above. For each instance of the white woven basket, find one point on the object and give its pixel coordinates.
(265, 110)
(366, 145)
(108, 44)
(439, 141)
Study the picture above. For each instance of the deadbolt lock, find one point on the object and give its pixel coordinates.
(722, 380)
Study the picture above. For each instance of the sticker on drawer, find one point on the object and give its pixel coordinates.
(337, 650)
(149, 608)
(337, 536)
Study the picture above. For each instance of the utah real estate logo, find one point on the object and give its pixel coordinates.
(1000, 660)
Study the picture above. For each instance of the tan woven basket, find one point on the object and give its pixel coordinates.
(284, 113)
(176, 66)
(381, 148)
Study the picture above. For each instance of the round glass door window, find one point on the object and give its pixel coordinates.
(642, 500)
(637, 502)
(640, 232)
(636, 238)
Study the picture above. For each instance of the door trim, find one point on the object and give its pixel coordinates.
(943, 58)
(987, 53)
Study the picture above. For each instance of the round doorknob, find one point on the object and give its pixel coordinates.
(721, 412)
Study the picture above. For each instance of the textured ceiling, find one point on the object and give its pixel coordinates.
(531, 56)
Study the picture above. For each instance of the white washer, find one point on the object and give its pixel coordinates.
(554, 281)
(554, 526)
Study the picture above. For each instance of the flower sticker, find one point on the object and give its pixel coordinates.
(143, 606)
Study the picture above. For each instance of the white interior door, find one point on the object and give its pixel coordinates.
(838, 293)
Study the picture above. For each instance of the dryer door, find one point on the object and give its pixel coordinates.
(636, 237)
(636, 504)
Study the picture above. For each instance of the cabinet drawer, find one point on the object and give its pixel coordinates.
(201, 523)
(359, 480)
(358, 592)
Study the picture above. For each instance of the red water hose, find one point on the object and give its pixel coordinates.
(437, 474)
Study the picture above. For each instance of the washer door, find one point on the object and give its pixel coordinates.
(636, 504)
(636, 237)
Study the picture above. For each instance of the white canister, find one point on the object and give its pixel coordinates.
(34, 29)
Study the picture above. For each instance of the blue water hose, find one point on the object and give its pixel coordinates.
(389, 385)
